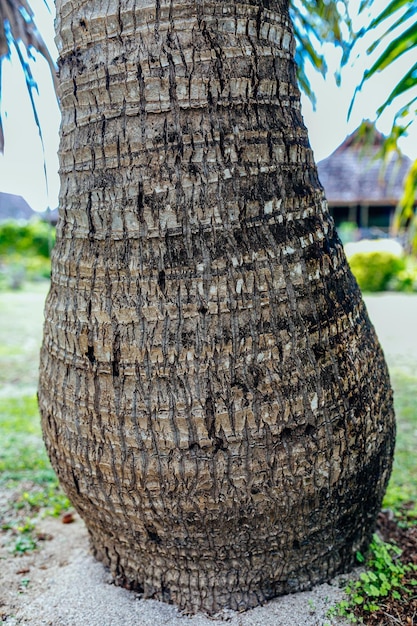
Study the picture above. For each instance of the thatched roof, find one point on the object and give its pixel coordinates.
(14, 207)
(354, 174)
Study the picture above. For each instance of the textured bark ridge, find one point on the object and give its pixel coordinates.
(213, 396)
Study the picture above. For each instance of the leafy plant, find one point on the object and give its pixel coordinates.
(25, 541)
(25, 249)
(50, 500)
(405, 217)
(375, 270)
(386, 577)
(402, 38)
(406, 279)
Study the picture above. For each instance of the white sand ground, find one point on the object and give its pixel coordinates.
(67, 587)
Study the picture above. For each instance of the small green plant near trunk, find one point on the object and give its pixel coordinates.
(386, 579)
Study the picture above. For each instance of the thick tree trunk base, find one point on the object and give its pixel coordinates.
(227, 585)
(208, 574)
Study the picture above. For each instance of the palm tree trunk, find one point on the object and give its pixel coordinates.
(213, 396)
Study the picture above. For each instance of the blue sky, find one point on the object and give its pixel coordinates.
(21, 167)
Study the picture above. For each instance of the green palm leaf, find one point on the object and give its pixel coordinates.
(407, 82)
(317, 22)
(391, 9)
(403, 43)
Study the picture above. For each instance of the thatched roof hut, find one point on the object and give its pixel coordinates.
(359, 187)
(14, 207)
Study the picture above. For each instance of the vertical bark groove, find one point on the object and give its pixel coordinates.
(213, 396)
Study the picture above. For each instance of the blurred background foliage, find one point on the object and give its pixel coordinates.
(317, 22)
(25, 251)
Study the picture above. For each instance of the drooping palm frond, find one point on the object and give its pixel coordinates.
(316, 22)
(405, 214)
(18, 30)
(402, 38)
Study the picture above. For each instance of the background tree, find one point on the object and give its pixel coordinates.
(213, 396)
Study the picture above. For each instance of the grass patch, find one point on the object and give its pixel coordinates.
(22, 454)
(21, 320)
(401, 494)
(23, 458)
(26, 473)
(24, 465)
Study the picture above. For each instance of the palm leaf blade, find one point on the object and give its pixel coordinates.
(17, 30)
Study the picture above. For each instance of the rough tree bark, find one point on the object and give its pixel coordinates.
(213, 396)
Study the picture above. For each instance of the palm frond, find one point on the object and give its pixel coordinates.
(18, 31)
(316, 22)
(405, 217)
(405, 40)
(407, 82)
(393, 7)
(401, 30)
(401, 44)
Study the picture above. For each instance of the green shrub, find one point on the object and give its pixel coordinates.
(376, 270)
(34, 238)
(406, 279)
(25, 249)
(347, 232)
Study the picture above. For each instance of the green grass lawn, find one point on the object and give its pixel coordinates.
(21, 318)
(24, 466)
(402, 488)
(25, 471)
(22, 454)
(23, 459)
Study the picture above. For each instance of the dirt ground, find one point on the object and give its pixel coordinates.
(60, 584)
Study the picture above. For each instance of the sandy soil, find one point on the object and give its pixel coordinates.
(60, 584)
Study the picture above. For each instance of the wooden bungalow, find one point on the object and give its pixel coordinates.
(359, 188)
